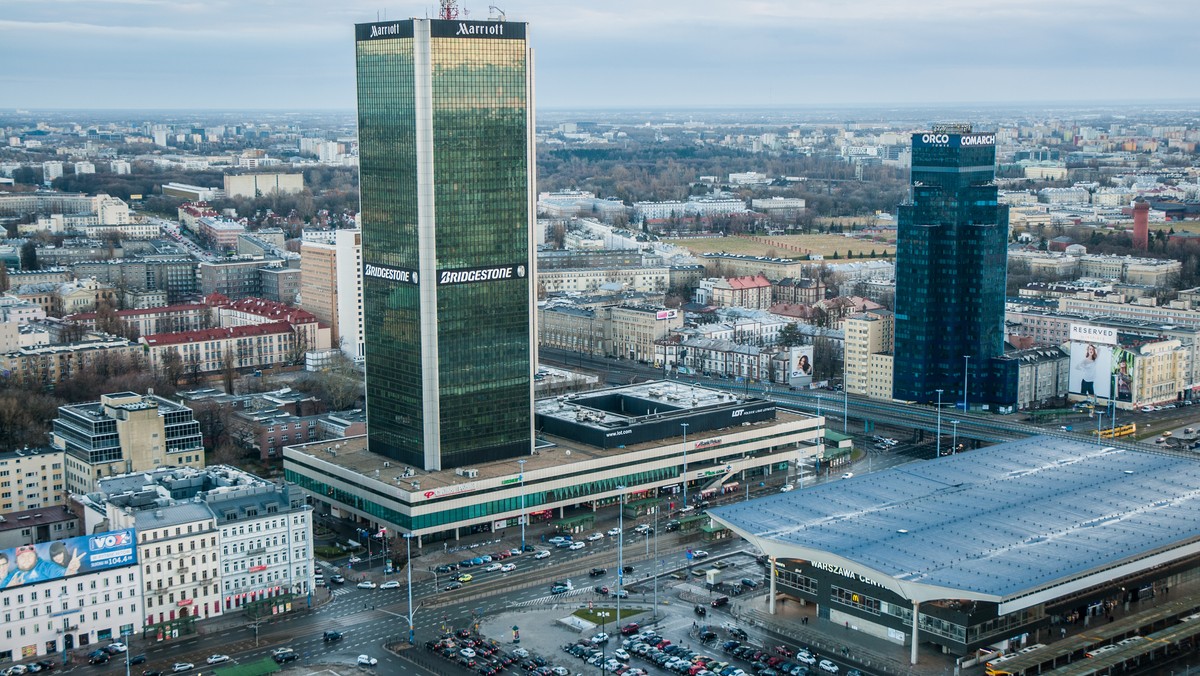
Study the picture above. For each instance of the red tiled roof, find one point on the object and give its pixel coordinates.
(271, 310)
(202, 335)
(184, 307)
(749, 282)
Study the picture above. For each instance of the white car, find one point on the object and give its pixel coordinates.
(600, 638)
(182, 666)
(848, 475)
(355, 559)
(558, 539)
(805, 657)
(595, 536)
(787, 487)
(577, 545)
(116, 647)
(621, 654)
(366, 584)
(520, 652)
(367, 661)
(542, 554)
(826, 665)
(390, 584)
(613, 532)
(492, 568)
(508, 568)
(643, 528)
(467, 652)
(217, 659)
(699, 554)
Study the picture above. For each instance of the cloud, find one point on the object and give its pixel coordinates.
(276, 53)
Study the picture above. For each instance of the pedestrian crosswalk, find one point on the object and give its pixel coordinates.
(550, 598)
(341, 591)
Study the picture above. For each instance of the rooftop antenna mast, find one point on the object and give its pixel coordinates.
(449, 9)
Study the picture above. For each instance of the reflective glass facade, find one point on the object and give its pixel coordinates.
(445, 126)
(950, 269)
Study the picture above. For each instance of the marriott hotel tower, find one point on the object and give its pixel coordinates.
(445, 128)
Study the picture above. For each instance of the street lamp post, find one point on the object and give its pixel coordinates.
(954, 438)
(408, 565)
(657, 507)
(521, 462)
(845, 399)
(620, 547)
(684, 426)
(966, 371)
(939, 424)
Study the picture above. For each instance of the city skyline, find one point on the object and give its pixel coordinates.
(222, 56)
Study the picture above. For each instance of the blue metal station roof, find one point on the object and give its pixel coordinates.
(1017, 522)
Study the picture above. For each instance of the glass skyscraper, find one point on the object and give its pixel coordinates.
(950, 269)
(445, 124)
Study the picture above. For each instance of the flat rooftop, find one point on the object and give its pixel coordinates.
(992, 524)
(552, 454)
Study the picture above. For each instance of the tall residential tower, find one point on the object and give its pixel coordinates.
(950, 268)
(445, 124)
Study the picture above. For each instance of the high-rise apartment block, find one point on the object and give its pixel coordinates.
(950, 268)
(331, 285)
(867, 334)
(445, 123)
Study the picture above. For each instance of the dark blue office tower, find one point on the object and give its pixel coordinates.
(950, 269)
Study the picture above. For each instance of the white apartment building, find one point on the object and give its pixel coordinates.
(51, 171)
(177, 542)
(31, 478)
(867, 334)
(646, 280)
(266, 540)
(68, 610)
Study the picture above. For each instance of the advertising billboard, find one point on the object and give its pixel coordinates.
(802, 366)
(1091, 369)
(1083, 333)
(32, 564)
(1122, 368)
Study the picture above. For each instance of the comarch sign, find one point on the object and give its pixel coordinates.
(954, 140)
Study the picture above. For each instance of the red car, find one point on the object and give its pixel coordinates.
(784, 650)
(631, 628)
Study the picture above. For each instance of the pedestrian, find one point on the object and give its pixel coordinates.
(1063, 632)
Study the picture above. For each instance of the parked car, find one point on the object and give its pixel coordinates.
(828, 666)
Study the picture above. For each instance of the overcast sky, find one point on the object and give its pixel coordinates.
(298, 54)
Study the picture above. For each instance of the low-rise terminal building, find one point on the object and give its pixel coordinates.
(638, 440)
